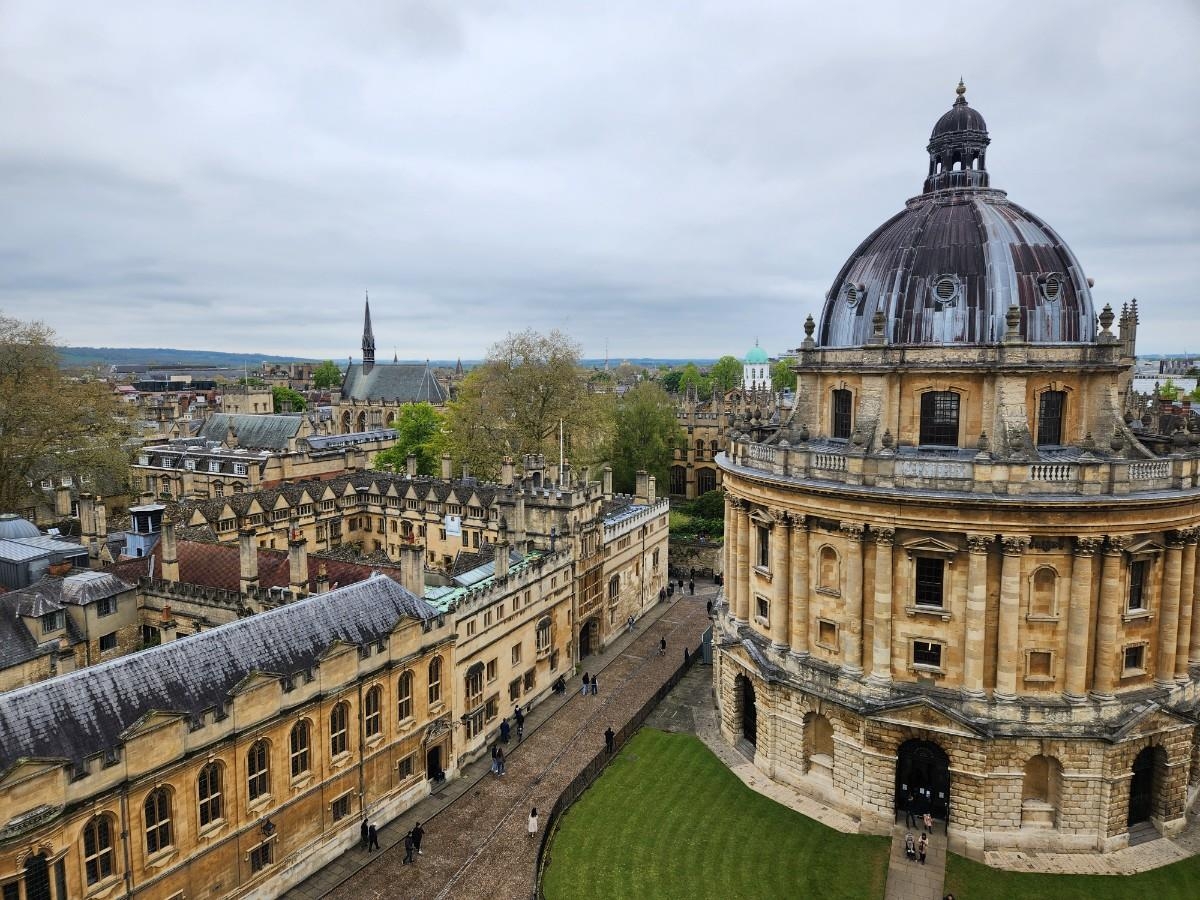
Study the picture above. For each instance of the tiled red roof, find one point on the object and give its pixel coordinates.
(218, 566)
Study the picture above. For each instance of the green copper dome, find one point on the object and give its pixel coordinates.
(756, 356)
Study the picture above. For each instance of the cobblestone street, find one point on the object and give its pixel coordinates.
(476, 844)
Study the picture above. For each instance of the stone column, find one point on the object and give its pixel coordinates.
(729, 552)
(743, 564)
(1168, 620)
(852, 599)
(781, 553)
(1079, 616)
(1104, 678)
(1008, 651)
(1187, 601)
(881, 645)
(799, 605)
(976, 617)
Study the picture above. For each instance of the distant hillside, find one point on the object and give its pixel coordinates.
(84, 357)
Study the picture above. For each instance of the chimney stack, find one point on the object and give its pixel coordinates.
(87, 523)
(62, 500)
(502, 553)
(298, 564)
(642, 491)
(412, 465)
(607, 482)
(506, 471)
(101, 531)
(447, 472)
(519, 539)
(651, 489)
(412, 568)
(65, 657)
(248, 561)
(170, 551)
(322, 579)
(168, 628)
(466, 471)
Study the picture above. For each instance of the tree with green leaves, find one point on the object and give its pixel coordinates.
(51, 426)
(645, 436)
(1169, 391)
(285, 399)
(692, 377)
(726, 374)
(670, 381)
(327, 375)
(782, 376)
(513, 403)
(420, 433)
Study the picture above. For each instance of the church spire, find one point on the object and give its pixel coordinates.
(368, 342)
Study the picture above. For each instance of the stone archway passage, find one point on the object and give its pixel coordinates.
(749, 710)
(1141, 787)
(588, 634)
(923, 769)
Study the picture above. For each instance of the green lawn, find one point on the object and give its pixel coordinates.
(668, 819)
(967, 879)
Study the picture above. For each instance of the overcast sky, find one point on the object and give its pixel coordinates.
(675, 178)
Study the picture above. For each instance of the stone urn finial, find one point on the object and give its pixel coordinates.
(804, 435)
(887, 440)
(1106, 318)
(983, 444)
(1117, 442)
(809, 327)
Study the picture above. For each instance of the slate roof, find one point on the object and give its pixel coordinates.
(17, 643)
(84, 713)
(85, 588)
(402, 382)
(261, 432)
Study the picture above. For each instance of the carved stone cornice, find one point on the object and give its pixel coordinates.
(779, 517)
(1176, 540)
(1118, 543)
(737, 504)
(884, 537)
(852, 530)
(1014, 544)
(1087, 546)
(1190, 535)
(979, 543)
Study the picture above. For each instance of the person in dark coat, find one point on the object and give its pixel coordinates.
(518, 715)
(504, 730)
(910, 810)
(610, 738)
(662, 645)
(595, 690)
(692, 587)
(365, 835)
(709, 606)
(408, 848)
(923, 846)
(418, 833)
(373, 838)
(687, 656)
(585, 682)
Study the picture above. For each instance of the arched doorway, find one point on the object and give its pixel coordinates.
(749, 710)
(1143, 784)
(589, 637)
(923, 770)
(37, 878)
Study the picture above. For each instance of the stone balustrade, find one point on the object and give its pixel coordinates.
(976, 475)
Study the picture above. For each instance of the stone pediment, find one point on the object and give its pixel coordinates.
(149, 722)
(931, 546)
(1148, 720)
(197, 519)
(1147, 546)
(924, 714)
(27, 768)
(252, 681)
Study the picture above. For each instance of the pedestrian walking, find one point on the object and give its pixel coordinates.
(910, 847)
(373, 838)
(585, 682)
(500, 761)
(418, 833)
(910, 810)
(692, 587)
(518, 715)
(532, 825)
(709, 607)
(662, 594)
(520, 731)
(662, 645)
(496, 762)
(505, 729)
(687, 656)
(363, 832)
(610, 738)
(671, 589)
(927, 821)
(923, 846)
(595, 690)
(408, 849)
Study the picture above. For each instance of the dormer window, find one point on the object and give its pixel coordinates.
(853, 293)
(946, 289)
(53, 621)
(1051, 286)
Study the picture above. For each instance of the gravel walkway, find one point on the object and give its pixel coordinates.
(477, 844)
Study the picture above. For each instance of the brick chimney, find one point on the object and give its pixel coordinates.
(501, 566)
(606, 479)
(506, 471)
(412, 568)
(642, 491)
(247, 561)
(412, 465)
(170, 551)
(651, 489)
(87, 523)
(322, 579)
(447, 471)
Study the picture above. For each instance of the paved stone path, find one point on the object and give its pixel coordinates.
(908, 879)
(476, 844)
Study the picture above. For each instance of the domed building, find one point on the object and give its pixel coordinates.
(756, 370)
(961, 576)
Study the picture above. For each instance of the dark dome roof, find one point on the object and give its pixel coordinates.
(946, 269)
(13, 526)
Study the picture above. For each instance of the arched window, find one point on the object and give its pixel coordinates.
(1042, 595)
(98, 849)
(258, 772)
(829, 572)
(543, 635)
(1051, 405)
(299, 746)
(473, 685)
(373, 711)
(614, 587)
(435, 680)
(842, 414)
(209, 793)
(706, 480)
(158, 820)
(339, 741)
(404, 700)
(939, 418)
(678, 480)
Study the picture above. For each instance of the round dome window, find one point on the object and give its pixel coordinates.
(945, 290)
(1052, 286)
